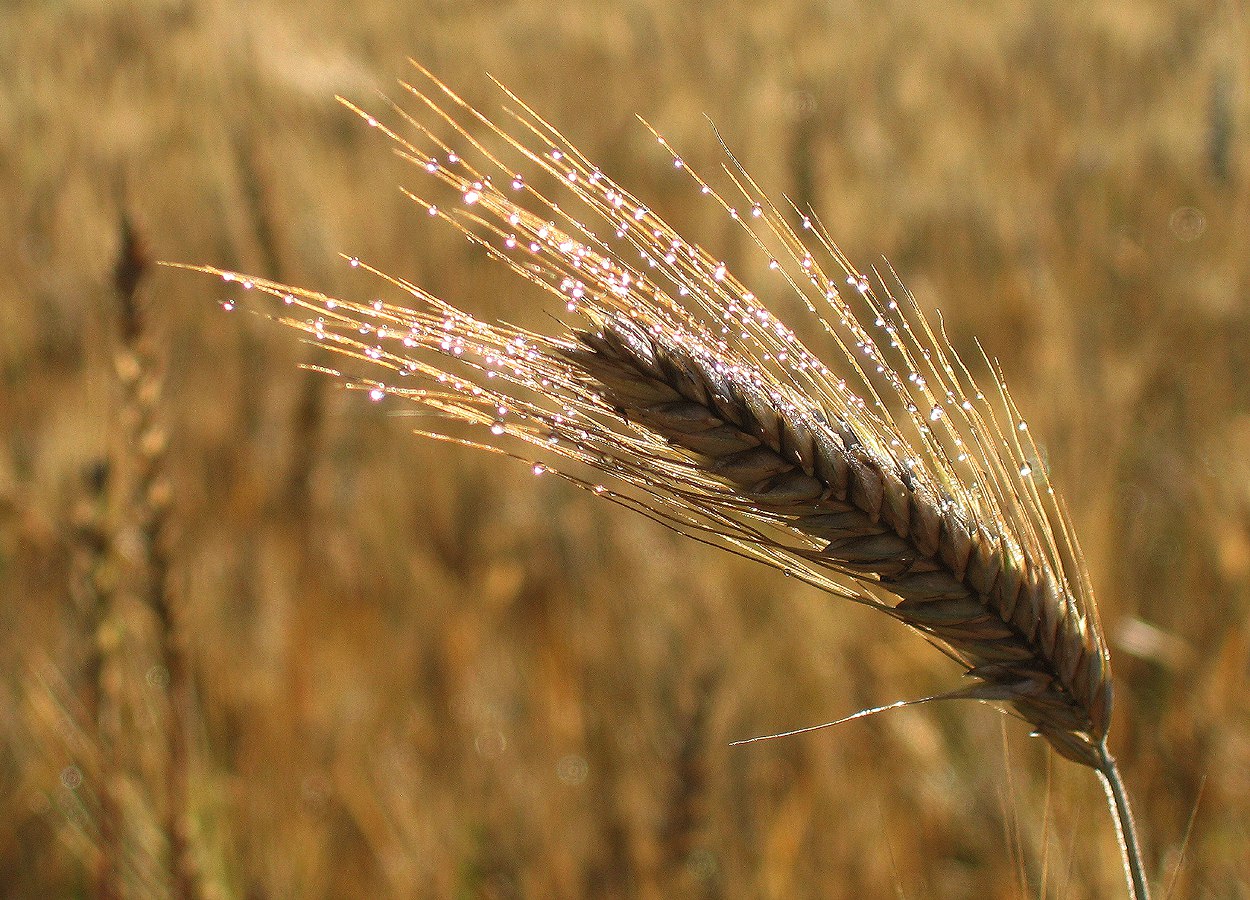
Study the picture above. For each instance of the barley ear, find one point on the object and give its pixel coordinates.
(881, 471)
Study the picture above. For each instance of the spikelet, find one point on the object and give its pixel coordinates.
(888, 477)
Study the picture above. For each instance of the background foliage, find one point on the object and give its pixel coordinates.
(421, 672)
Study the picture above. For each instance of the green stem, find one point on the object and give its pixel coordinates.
(1126, 832)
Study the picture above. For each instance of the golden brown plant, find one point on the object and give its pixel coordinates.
(892, 479)
(144, 508)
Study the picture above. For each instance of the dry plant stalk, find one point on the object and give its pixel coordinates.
(144, 506)
(892, 480)
(93, 591)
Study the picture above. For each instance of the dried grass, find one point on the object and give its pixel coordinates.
(395, 644)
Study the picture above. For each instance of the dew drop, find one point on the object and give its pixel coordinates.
(538, 469)
(377, 393)
(71, 778)
(1026, 470)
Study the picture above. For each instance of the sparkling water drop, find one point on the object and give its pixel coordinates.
(71, 778)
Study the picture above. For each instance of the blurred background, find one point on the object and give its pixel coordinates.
(257, 640)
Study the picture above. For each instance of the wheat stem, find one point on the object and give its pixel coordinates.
(1125, 830)
(147, 496)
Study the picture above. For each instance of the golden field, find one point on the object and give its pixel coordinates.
(413, 670)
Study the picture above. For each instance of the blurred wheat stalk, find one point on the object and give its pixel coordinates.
(891, 479)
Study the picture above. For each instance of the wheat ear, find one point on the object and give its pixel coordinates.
(146, 498)
(891, 480)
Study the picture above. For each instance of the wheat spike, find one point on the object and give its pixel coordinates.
(1021, 638)
(890, 479)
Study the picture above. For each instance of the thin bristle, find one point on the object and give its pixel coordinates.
(890, 478)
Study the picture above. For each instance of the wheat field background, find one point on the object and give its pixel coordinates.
(421, 672)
